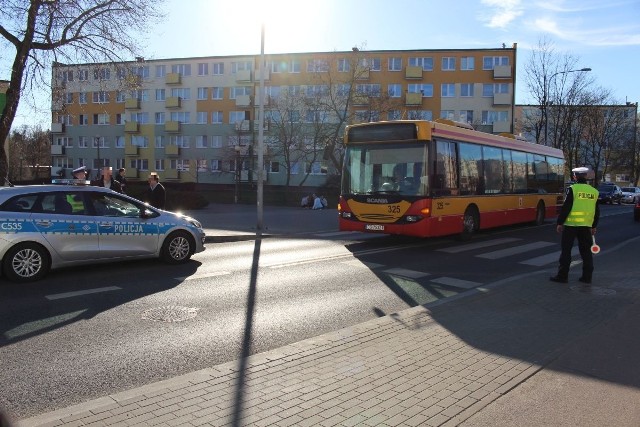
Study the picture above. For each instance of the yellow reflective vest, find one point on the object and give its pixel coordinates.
(583, 209)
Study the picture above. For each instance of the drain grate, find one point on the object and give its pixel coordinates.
(170, 313)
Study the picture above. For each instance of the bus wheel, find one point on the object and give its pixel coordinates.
(470, 223)
(540, 211)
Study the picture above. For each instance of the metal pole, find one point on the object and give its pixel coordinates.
(260, 174)
(237, 175)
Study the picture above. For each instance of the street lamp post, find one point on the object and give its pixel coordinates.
(98, 166)
(238, 166)
(545, 102)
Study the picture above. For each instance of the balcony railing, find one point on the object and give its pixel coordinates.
(502, 72)
(131, 127)
(172, 102)
(413, 72)
(172, 126)
(173, 79)
(413, 99)
(132, 104)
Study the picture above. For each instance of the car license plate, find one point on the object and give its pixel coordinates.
(374, 227)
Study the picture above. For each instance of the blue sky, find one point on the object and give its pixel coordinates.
(604, 36)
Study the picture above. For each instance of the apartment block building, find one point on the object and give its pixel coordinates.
(195, 119)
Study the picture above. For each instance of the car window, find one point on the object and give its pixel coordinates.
(109, 205)
(22, 203)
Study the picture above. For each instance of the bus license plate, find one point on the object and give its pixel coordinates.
(374, 227)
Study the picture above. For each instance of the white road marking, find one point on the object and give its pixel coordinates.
(515, 250)
(83, 292)
(548, 258)
(358, 263)
(458, 283)
(412, 274)
(478, 245)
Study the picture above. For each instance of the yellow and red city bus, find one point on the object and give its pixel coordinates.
(437, 178)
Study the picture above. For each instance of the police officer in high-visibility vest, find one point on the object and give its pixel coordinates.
(578, 219)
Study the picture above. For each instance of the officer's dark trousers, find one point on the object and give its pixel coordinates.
(585, 240)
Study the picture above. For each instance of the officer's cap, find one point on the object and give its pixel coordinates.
(81, 169)
(580, 170)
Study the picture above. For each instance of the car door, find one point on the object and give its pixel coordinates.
(123, 232)
(65, 226)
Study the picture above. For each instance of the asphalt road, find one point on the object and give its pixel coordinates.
(145, 321)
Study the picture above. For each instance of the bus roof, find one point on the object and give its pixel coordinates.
(447, 129)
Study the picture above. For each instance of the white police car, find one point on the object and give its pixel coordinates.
(51, 226)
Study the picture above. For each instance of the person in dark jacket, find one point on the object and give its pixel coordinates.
(107, 181)
(155, 194)
(578, 219)
(122, 179)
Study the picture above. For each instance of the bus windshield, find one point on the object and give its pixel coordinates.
(387, 169)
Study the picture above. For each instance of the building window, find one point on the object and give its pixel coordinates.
(203, 69)
(119, 119)
(140, 141)
(217, 68)
(83, 119)
(121, 96)
(202, 93)
(295, 66)
(83, 75)
(215, 165)
(466, 116)
(142, 118)
(426, 63)
(490, 117)
(448, 114)
(102, 74)
(159, 164)
(181, 92)
(119, 141)
(181, 116)
(395, 64)
(448, 63)
(274, 167)
(201, 117)
(467, 63)
(425, 89)
(83, 142)
(101, 97)
(419, 115)
(448, 90)
(466, 89)
(160, 118)
(159, 141)
(490, 62)
(394, 115)
(120, 163)
(183, 141)
(317, 66)
(344, 65)
(394, 90)
(101, 119)
(217, 93)
(182, 69)
(140, 164)
(236, 91)
(82, 97)
(64, 141)
(489, 90)
(160, 95)
(216, 141)
(201, 141)
(236, 116)
(217, 117)
(161, 70)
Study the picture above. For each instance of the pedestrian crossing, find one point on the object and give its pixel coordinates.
(492, 249)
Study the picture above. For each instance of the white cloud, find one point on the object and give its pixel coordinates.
(502, 12)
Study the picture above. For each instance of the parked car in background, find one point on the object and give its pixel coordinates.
(630, 194)
(609, 193)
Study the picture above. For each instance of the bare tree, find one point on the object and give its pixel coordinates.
(45, 31)
(30, 153)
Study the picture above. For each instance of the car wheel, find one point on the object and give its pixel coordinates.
(177, 247)
(26, 262)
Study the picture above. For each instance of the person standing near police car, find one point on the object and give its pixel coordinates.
(155, 194)
(107, 181)
(578, 219)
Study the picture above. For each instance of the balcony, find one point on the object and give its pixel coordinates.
(57, 150)
(244, 125)
(172, 126)
(243, 76)
(501, 99)
(171, 150)
(362, 74)
(243, 100)
(57, 128)
(502, 72)
(499, 127)
(131, 127)
(360, 99)
(172, 102)
(413, 99)
(132, 173)
(132, 104)
(413, 72)
(131, 150)
(173, 79)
